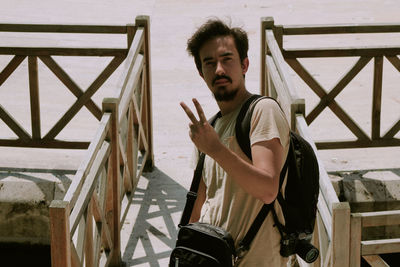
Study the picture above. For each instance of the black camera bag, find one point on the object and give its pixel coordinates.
(213, 246)
(201, 244)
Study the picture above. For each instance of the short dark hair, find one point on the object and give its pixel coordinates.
(215, 28)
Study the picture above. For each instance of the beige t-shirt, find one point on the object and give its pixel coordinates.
(227, 205)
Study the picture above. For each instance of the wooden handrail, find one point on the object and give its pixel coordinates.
(287, 102)
(147, 114)
(63, 51)
(87, 162)
(379, 218)
(280, 64)
(381, 246)
(132, 83)
(371, 51)
(88, 186)
(63, 28)
(133, 52)
(328, 192)
(340, 29)
(325, 214)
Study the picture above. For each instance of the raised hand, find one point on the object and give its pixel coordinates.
(201, 132)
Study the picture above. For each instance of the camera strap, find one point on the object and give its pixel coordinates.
(191, 196)
(277, 223)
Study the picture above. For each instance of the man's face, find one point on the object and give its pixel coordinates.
(221, 67)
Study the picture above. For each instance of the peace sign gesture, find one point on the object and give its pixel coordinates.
(201, 132)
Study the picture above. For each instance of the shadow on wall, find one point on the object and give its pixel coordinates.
(51, 183)
(369, 190)
(155, 213)
(25, 195)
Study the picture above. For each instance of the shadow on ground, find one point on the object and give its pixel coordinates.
(156, 209)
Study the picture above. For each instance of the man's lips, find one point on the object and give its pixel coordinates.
(220, 80)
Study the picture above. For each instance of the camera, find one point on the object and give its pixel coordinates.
(299, 244)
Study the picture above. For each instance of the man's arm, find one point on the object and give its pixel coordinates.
(198, 204)
(260, 178)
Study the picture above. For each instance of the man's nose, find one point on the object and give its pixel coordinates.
(220, 69)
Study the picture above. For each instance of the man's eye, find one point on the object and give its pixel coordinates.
(210, 63)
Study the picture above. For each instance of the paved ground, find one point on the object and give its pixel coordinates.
(159, 200)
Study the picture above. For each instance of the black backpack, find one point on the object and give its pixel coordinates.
(299, 202)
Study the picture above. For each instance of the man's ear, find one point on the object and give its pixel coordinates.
(201, 74)
(245, 65)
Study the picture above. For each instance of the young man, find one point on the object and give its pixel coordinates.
(234, 188)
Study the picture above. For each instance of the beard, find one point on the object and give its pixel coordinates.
(222, 94)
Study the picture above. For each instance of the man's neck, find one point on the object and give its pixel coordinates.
(229, 106)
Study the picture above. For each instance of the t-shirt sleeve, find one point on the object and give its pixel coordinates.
(268, 122)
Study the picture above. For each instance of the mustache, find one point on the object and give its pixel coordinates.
(221, 77)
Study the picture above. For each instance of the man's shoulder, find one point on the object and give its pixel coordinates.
(268, 110)
(266, 104)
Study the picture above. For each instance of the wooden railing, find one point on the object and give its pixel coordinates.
(370, 249)
(85, 225)
(335, 223)
(36, 138)
(327, 100)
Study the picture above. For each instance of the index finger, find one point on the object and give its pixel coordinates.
(199, 110)
(189, 113)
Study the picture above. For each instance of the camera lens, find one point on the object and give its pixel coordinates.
(307, 251)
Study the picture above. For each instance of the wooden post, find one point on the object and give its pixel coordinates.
(377, 98)
(355, 239)
(266, 23)
(144, 21)
(89, 249)
(130, 143)
(298, 106)
(323, 240)
(34, 92)
(130, 32)
(60, 240)
(340, 234)
(316, 243)
(278, 31)
(113, 196)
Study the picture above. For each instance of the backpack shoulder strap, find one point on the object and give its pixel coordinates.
(243, 120)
